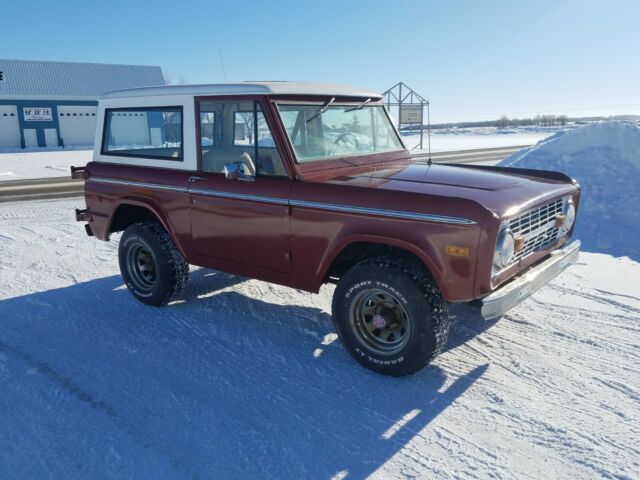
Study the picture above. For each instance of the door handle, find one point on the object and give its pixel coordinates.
(195, 178)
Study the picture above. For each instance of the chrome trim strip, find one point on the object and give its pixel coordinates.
(240, 196)
(383, 213)
(294, 203)
(132, 183)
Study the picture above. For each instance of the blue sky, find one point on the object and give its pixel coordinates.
(474, 60)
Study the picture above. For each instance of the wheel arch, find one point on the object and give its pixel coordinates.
(352, 250)
(129, 211)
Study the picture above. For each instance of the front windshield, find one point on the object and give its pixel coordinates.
(320, 132)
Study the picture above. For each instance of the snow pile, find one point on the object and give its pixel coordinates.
(605, 159)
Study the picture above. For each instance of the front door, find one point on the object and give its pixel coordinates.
(30, 137)
(245, 220)
(51, 137)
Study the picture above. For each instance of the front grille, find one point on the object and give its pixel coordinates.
(538, 228)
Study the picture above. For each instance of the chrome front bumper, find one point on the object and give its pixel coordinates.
(497, 303)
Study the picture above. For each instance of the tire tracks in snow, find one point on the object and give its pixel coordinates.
(68, 385)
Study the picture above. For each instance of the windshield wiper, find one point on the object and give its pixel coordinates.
(358, 107)
(322, 109)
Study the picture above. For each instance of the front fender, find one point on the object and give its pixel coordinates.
(428, 259)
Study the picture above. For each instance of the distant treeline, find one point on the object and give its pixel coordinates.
(538, 120)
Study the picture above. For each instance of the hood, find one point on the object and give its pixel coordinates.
(500, 192)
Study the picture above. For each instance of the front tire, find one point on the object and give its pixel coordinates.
(390, 315)
(151, 265)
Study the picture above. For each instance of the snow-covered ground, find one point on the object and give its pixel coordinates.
(453, 139)
(243, 379)
(40, 163)
(246, 380)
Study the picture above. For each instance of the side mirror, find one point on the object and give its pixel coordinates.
(235, 171)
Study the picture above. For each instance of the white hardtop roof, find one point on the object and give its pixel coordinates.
(249, 88)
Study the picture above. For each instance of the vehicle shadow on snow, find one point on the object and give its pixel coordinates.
(239, 387)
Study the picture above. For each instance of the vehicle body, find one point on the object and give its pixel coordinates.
(296, 183)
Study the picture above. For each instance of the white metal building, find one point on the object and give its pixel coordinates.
(50, 104)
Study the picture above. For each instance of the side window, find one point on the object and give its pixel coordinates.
(154, 132)
(229, 131)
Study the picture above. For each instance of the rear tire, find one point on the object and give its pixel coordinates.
(151, 265)
(390, 315)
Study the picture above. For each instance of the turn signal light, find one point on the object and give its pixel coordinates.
(457, 251)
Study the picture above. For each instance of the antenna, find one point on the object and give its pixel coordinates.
(429, 128)
(222, 64)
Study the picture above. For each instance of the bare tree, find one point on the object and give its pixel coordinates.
(247, 122)
(502, 122)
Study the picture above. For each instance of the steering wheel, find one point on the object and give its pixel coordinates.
(343, 139)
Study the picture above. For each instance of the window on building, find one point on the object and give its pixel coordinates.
(228, 134)
(154, 132)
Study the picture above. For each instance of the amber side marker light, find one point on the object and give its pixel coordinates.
(457, 251)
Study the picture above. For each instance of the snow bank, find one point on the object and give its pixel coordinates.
(605, 159)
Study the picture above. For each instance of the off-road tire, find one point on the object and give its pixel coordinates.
(412, 288)
(171, 268)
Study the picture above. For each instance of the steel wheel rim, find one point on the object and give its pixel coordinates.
(141, 265)
(379, 321)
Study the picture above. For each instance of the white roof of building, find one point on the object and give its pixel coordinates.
(249, 88)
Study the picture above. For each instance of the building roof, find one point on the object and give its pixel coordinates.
(51, 80)
(250, 88)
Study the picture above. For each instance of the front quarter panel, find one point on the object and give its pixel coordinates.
(448, 250)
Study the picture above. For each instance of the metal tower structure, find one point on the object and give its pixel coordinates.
(411, 107)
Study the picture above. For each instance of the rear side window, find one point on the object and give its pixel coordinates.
(148, 132)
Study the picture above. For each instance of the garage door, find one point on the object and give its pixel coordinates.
(77, 124)
(9, 128)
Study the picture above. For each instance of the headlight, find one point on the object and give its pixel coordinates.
(505, 249)
(569, 217)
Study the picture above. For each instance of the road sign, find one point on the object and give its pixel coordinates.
(411, 114)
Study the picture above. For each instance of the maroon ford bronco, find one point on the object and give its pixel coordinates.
(303, 184)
